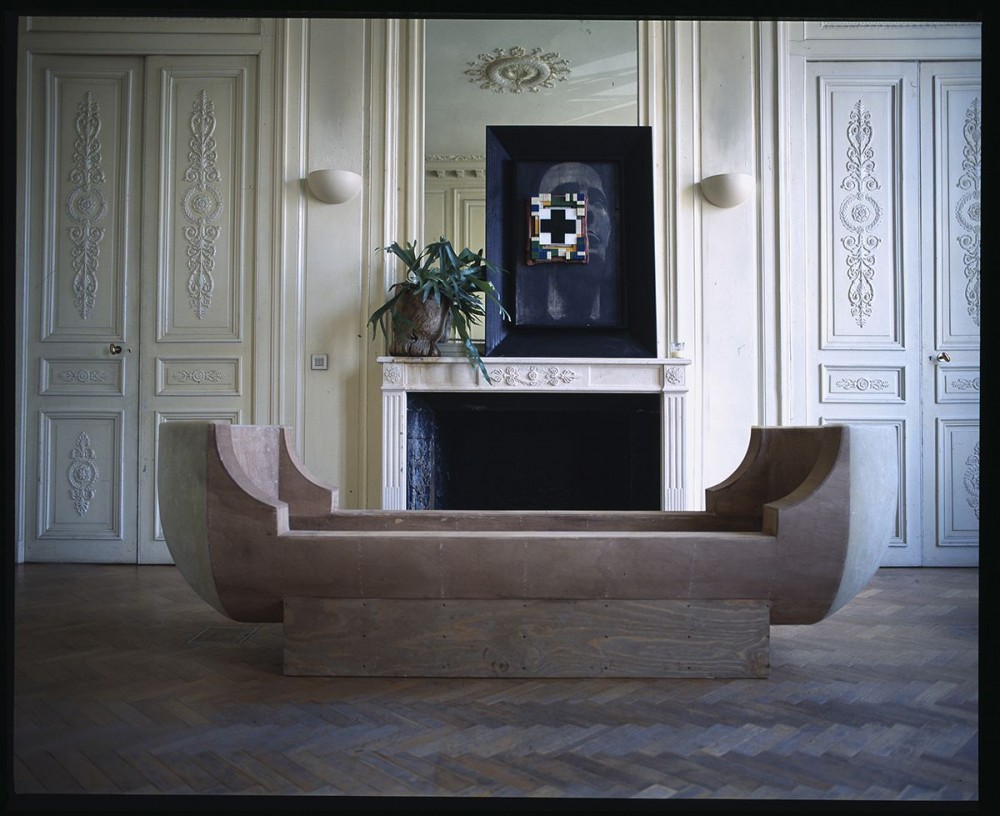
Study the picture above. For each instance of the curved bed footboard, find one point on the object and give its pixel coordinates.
(823, 499)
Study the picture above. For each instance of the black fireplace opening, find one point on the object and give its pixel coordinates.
(533, 451)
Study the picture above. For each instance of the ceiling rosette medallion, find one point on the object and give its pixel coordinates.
(516, 70)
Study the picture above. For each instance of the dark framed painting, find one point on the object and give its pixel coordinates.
(569, 219)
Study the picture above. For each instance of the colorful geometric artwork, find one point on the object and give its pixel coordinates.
(557, 228)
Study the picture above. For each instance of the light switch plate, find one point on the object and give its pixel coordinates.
(319, 362)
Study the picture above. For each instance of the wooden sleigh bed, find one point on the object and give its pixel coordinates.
(794, 534)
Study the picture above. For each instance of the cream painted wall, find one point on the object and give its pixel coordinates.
(728, 346)
(332, 289)
(717, 107)
(714, 101)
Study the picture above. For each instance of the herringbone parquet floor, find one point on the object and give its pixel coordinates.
(126, 682)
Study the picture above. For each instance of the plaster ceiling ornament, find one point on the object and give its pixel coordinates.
(455, 157)
(517, 70)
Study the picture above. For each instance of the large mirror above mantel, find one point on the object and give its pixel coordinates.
(512, 72)
(434, 183)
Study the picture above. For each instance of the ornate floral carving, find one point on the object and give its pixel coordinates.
(86, 205)
(82, 474)
(392, 374)
(201, 204)
(964, 383)
(674, 375)
(517, 70)
(860, 214)
(863, 384)
(84, 375)
(967, 210)
(197, 376)
(533, 375)
(971, 480)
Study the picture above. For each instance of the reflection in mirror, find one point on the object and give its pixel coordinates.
(512, 72)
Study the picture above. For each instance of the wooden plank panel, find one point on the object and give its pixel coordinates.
(526, 638)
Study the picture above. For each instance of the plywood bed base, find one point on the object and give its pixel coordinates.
(796, 532)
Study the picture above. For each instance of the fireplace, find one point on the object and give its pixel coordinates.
(476, 451)
(540, 434)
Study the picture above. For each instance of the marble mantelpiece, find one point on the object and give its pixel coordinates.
(404, 375)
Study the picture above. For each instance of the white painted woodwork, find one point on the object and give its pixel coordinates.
(140, 286)
(536, 375)
(394, 189)
(726, 280)
(455, 200)
(397, 183)
(371, 119)
(80, 306)
(455, 207)
(198, 260)
(864, 314)
(883, 220)
(951, 155)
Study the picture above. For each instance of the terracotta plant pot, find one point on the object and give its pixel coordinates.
(418, 326)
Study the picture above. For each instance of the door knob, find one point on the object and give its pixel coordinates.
(943, 357)
(114, 348)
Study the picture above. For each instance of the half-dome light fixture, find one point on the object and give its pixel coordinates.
(727, 189)
(334, 186)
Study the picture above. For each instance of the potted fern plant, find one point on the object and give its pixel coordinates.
(441, 291)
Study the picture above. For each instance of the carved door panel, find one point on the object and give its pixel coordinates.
(141, 180)
(951, 94)
(198, 257)
(863, 290)
(81, 308)
(882, 300)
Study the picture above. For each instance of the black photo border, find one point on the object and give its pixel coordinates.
(631, 147)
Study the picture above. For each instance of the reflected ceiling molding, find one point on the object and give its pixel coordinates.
(517, 70)
(456, 157)
(452, 165)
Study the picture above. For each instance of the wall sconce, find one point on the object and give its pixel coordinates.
(727, 189)
(334, 186)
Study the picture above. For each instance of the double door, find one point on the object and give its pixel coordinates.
(891, 332)
(137, 298)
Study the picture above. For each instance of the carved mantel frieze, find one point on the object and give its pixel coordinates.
(453, 373)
